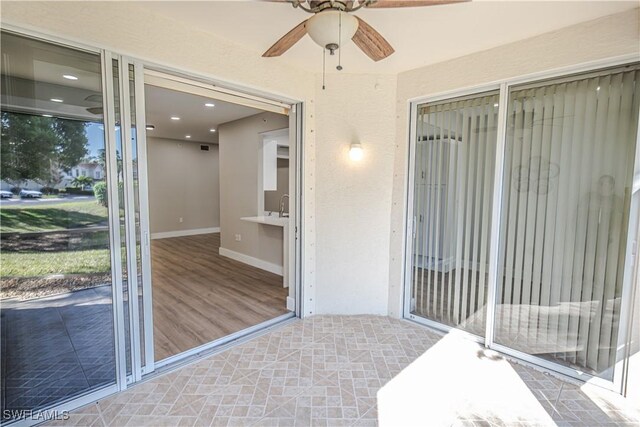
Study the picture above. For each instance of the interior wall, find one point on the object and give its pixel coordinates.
(354, 198)
(239, 155)
(607, 37)
(183, 183)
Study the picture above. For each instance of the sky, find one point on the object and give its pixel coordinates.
(95, 135)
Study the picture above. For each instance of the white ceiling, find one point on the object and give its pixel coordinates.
(420, 36)
(195, 119)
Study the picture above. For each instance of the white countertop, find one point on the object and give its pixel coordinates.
(268, 220)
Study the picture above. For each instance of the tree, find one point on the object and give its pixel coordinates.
(82, 181)
(31, 144)
(102, 160)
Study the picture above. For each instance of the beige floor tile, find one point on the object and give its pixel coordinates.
(330, 370)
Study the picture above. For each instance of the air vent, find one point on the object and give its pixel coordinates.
(204, 147)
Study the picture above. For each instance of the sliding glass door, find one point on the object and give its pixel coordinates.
(565, 203)
(569, 159)
(59, 274)
(73, 227)
(454, 157)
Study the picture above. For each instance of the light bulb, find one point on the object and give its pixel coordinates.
(355, 152)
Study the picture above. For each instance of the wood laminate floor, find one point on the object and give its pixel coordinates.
(200, 296)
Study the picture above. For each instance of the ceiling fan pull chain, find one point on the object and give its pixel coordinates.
(339, 67)
(324, 68)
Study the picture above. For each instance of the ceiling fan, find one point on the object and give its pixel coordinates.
(332, 24)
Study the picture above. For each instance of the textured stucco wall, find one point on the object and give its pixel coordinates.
(354, 198)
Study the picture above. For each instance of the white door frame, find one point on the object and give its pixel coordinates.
(180, 81)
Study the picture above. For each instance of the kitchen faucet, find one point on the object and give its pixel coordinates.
(282, 213)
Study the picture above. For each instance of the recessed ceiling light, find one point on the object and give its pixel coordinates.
(598, 88)
(212, 130)
(495, 105)
(56, 100)
(187, 136)
(149, 127)
(175, 118)
(69, 77)
(47, 115)
(209, 104)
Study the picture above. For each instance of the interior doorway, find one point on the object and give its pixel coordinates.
(221, 182)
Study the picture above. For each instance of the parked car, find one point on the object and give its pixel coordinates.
(30, 194)
(5, 194)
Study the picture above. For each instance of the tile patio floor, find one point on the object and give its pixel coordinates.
(357, 370)
(56, 347)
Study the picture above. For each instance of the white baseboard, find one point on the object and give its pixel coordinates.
(291, 304)
(182, 233)
(254, 262)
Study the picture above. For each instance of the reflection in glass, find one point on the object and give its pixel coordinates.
(566, 194)
(55, 273)
(454, 161)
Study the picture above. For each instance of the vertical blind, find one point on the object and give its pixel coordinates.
(566, 193)
(567, 180)
(453, 186)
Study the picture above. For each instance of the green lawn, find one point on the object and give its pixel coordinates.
(29, 264)
(50, 217)
(57, 251)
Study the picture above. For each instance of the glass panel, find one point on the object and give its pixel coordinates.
(455, 156)
(55, 274)
(567, 187)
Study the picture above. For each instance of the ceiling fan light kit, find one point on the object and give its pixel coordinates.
(332, 28)
(332, 25)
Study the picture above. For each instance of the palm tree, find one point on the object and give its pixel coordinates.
(82, 181)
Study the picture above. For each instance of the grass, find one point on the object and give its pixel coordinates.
(29, 264)
(60, 216)
(58, 251)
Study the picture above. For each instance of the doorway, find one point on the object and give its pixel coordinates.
(221, 191)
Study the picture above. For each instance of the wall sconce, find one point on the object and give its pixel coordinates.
(355, 152)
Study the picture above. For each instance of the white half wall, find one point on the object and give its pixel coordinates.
(184, 188)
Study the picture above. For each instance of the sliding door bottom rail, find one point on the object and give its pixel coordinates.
(195, 354)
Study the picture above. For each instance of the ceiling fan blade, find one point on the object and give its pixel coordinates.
(286, 41)
(371, 42)
(380, 4)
